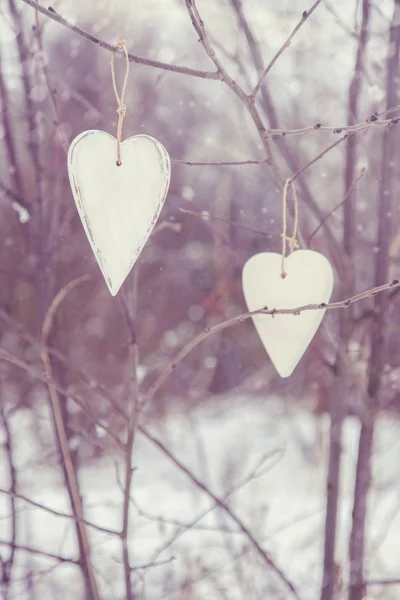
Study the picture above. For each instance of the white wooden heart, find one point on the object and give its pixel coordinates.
(309, 280)
(118, 205)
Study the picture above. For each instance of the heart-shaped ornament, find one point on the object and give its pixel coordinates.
(309, 280)
(118, 205)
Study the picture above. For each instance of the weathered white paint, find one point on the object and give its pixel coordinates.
(118, 205)
(309, 280)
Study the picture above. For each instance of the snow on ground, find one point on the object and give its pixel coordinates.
(222, 445)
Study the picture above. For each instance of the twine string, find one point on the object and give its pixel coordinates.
(291, 240)
(121, 110)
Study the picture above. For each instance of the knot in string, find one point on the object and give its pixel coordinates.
(121, 110)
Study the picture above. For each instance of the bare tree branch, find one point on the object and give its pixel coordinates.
(200, 29)
(335, 208)
(306, 14)
(55, 16)
(133, 414)
(241, 318)
(270, 111)
(72, 480)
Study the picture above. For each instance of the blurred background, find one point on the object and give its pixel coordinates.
(292, 457)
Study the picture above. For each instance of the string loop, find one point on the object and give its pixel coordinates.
(121, 110)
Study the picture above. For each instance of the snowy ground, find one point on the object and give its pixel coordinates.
(283, 507)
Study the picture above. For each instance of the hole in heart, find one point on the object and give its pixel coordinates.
(118, 163)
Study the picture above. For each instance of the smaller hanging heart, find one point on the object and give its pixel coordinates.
(309, 280)
(118, 204)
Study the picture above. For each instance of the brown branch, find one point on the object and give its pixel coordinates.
(73, 486)
(24, 56)
(372, 122)
(55, 16)
(200, 29)
(306, 14)
(340, 388)
(377, 360)
(243, 317)
(14, 173)
(133, 414)
(351, 150)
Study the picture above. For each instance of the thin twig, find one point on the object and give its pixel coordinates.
(101, 390)
(14, 360)
(60, 132)
(317, 158)
(9, 563)
(22, 548)
(57, 513)
(287, 43)
(231, 163)
(205, 216)
(55, 16)
(370, 123)
(348, 194)
(221, 504)
(341, 22)
(62, 435)
(183, 528)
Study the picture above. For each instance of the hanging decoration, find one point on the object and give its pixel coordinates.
(119, 189)
(275, 281)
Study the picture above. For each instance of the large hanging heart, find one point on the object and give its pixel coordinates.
(309, 280)
(118, 205)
